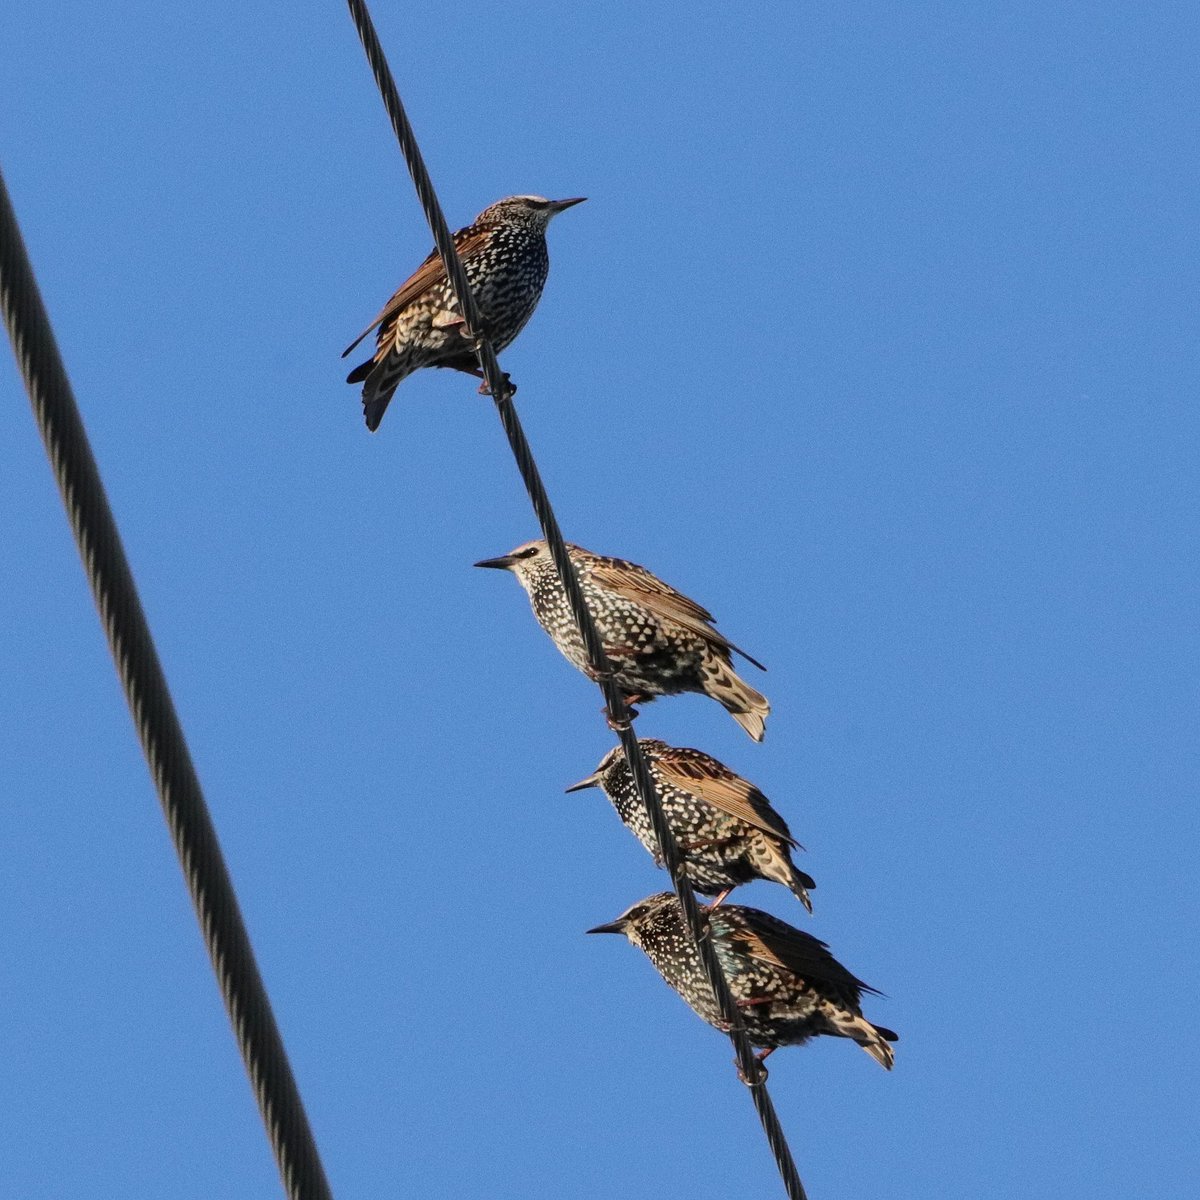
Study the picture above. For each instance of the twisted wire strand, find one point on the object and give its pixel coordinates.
(750, 1069)
(154, 716)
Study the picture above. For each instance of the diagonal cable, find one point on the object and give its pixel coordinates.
(748, 1065)
(154, 716)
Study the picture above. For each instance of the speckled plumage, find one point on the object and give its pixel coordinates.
(504, 255)
(659, 642)
(787, 985)
(725, 828)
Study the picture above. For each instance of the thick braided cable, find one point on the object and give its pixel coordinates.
(154, 716)
(749, 1067)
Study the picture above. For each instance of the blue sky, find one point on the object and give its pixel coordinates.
(876, 335)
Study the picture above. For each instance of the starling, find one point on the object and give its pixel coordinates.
(787, 985)
(659, 642)
(726, 829)
(504, 254)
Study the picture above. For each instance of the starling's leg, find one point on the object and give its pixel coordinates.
(446, 321)
(755, 1001)
(630, 698)
(467, 364)
(612, 652)
(720, 897)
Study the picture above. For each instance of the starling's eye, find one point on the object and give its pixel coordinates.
(538, 203)
(528, 553)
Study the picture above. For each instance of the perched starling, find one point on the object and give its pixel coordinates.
(787, 985)
(725, 828)
(659, 642)
(504, 254)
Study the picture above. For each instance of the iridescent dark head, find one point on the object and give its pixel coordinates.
(654, 915)
(601, 775)
(613, 765)
(526, 562)
(534, 211)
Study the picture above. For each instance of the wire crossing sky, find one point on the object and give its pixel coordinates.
(153, 712)
(617, 711)
(875, 334)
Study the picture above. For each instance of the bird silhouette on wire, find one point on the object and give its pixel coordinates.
(504, 254)
(725, 828)
(659, 642)
(785, 983)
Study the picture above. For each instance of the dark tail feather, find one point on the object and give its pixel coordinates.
(361, 371)
(374, 409)
(800, 884)
(381, 379)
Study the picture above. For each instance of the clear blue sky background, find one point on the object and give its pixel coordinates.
(877, 335)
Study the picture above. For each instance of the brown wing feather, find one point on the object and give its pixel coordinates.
(717, 785)
(429, 274)
(637, 584)
(762, 936)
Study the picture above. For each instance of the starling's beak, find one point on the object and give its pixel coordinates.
(557, 206)
(617, 926)
(591, 781)
(500, 564)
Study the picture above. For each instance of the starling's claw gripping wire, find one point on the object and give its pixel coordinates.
(507, 390)
(760, 1074)
(619, 726)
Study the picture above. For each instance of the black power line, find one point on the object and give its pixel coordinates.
(154, 716)
(750, 1069)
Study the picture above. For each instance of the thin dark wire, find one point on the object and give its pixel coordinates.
(154, 715)
(748, 1065)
